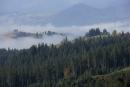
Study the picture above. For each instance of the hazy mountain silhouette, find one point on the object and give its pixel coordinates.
(81, 14)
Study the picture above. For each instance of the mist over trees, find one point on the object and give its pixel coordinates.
(70, 64)
(96, 32)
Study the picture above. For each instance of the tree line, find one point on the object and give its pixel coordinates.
(96, 53)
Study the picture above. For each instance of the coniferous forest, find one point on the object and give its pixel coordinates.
(97, 59)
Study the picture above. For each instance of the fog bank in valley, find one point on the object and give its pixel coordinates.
(71, 32)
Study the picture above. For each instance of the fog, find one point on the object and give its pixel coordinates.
(71, 32)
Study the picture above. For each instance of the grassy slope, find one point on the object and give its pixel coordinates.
(116, 79)
(119, 78)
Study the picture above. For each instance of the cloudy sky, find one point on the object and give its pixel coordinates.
(50, 6)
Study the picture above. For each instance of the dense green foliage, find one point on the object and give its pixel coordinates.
(119, 78)
(66, 64)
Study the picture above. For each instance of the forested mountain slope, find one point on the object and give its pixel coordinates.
(99, 53)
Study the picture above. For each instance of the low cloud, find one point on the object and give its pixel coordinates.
(72, 32)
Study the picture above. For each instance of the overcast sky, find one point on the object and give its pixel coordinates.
(50, 6)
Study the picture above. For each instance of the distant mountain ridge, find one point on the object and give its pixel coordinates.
(76, 15)
(81, 14)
